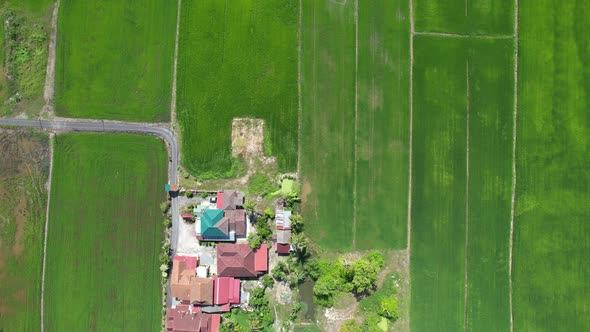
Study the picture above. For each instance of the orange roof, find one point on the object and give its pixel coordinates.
(185, 285)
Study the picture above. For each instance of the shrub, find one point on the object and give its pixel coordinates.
(259, 184)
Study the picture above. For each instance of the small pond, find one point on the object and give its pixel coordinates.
(306, 298)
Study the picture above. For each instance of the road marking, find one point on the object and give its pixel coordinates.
(467, 96)
(514, 133)
(457, 35)
(356, 120)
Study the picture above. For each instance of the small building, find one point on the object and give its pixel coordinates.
(226, 291)
(186, 318)
(241, 261)
(187, 216)
(283, 236)
(230, 200)
(283, 248)
(172, 188)
(283, 219)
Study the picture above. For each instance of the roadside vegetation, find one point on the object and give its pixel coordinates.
(23, 55)
(24, 169)
(105, 234)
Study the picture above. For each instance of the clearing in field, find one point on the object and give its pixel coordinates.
(114, 59)
(23, 197)
(105, 233)
(355, 123)
(551, 228)
(236, 59)
(466, 17)
(462, 181)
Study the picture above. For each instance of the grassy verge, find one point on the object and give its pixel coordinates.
(105, 233)
(23, 172)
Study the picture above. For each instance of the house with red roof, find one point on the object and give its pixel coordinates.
(241, 261)
(186, 318)
(226, 290)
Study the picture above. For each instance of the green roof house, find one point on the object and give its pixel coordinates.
(214, 225)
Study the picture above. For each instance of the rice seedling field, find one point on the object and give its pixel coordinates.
(468, 17)
(355, 123)
(23, 173)
(105, 233)
(462, 175)
(237, 59)
(551, 229)
(115, 59)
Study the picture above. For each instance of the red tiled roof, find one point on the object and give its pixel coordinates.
(215, 322)
(184, 319)
(220, 200)
(261, 258)
(227, 290)
(187, 216)
(190, 262)
(238, 220)
(239, 260)
(283, 248)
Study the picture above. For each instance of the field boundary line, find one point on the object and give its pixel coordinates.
(299, 90)
(457, 35)
(514, 136)
(411, 139)
(356, 121)
(467, 96)
(49, 88)
(51, 153)
(174, 68)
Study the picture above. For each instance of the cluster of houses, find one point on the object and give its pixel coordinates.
(199, 298)
(202, 290)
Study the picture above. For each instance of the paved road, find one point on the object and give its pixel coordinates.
(120, 127)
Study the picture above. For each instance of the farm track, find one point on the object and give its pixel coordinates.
(411, 139)
(49, 88)
(51, 147)
(175, 66)
(299, 91)
(356, 121)
(514, 136)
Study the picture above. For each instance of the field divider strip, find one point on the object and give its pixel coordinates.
(299, 90)
(49, 87)
(174, 67)
(411, 138)
(514, 136)
(456, 35)
(466, 199)
(51, 151)
(356, 106)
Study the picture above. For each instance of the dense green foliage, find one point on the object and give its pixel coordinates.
(23, 55)
(260, 318)
(338, 276)
(105, 233)
(551, 228)
(332, 123)
(236, 59)
(465, 17)
(441, 192)
(115, 59)
(260, 184)
(23, 173)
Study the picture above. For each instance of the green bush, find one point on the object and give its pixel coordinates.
(259, 184)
